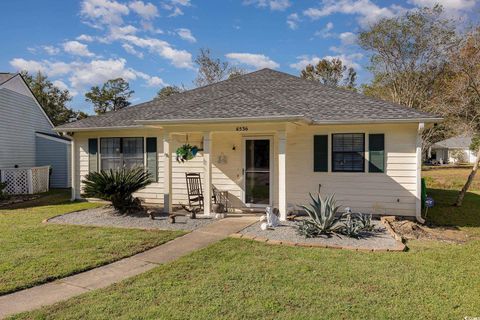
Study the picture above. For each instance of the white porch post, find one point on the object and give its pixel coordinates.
(207, 170)
(282, 174)
(167, 169)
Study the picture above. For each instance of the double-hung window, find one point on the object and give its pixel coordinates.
(116, 153)
(348, 152)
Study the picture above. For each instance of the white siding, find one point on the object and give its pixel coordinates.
(20, 118)
(392, 192)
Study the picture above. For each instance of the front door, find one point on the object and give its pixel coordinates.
(257, 172)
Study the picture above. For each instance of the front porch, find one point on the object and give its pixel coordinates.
(246, 162)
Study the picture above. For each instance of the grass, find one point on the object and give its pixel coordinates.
(242, 279)
(33, 252)
(450, 178)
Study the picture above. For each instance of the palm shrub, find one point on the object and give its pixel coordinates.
(117, 186)
(323, 218)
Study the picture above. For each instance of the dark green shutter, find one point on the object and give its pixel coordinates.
(320, 153)
(376, 145)
(92, 155)
(152, 165)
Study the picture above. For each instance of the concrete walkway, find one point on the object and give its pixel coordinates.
(63, 289)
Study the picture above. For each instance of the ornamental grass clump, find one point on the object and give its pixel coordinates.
(117, 186)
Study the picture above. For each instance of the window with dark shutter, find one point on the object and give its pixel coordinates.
(348, 152)
(152, 159)
(376, 146)
(116, 153)
(92, 155)
(320, 153)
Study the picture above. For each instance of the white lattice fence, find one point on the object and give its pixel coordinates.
(25, 180)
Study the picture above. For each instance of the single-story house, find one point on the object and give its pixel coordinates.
(27, 138)
(267, 138)
(453, 150)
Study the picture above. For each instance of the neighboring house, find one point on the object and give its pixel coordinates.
(268, 138)
(27, 138)
(453, 150)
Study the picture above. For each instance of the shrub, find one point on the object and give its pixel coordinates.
(3, 195)
(117, 186)
(322, 216)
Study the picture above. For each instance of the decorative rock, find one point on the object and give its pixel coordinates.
(220, 215)
(264, 226)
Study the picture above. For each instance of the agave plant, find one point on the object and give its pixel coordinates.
(323, 218)
(117, 186)
(351, 225)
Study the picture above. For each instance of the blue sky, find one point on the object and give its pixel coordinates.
(152, 43)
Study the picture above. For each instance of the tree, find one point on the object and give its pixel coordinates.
(52, 99)
(112, 96)
(212, 70)
(408, 56)
(331, 72)
(168, 91)
(461, 95)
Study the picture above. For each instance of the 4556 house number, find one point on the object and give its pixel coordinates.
(241, 128)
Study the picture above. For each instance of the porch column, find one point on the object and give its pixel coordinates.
(207, 171)
(167, 169)
(282, 174)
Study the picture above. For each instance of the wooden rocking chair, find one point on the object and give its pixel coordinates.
(195, 192)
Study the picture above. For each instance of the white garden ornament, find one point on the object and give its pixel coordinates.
(272, 218)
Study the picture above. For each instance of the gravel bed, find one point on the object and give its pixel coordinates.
(287, 231)
(107, 217)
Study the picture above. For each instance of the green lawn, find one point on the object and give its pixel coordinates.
(242, 279)
(32, 252)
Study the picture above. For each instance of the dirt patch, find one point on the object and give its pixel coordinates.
(16, 199)
(411, 230)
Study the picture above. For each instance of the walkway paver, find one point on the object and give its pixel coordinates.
(63, 289)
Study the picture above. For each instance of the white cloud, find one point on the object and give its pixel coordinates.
(103, 12)
(279, 5)
(32, 66)
(179, 58)
(258, 61)
(367, 11)
(83, 75)
(175, 6)
(348, 38)
(85, 38)
(77, 48)
(348, 59)
(146, 10)
(130, 49)
(292, 21)
(448, 5)
(325, 32)
(51, 50)
(186, 35)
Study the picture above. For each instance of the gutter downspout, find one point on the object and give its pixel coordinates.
(418, 207)
(73, 165)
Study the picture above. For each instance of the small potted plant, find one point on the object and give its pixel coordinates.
(186, 152)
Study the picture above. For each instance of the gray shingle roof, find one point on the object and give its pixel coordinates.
(460, 142)
(264, 93)
(5, 76)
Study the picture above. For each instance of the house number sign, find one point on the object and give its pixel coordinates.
(242, 129)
